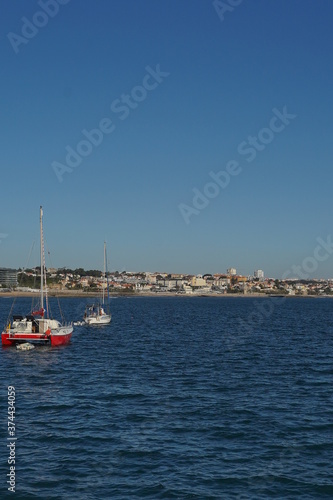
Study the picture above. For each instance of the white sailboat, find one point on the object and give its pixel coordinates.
(98, 313)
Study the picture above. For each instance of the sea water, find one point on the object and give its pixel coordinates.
(180, 398)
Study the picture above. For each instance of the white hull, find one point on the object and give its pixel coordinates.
(95, 314)
(98, 320)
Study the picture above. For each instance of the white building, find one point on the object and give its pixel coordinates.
(222, 282)
(231, 271)
(151, 278)
(259, 273)
(8, 276)
(200, 282)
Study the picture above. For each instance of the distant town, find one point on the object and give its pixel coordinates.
(124, 282)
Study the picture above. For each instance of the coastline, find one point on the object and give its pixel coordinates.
(80, 294)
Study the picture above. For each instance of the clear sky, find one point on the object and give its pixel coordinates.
(179, 91)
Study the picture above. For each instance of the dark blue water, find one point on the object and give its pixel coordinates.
(184, 398)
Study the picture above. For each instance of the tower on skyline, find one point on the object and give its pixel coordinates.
(259, 273)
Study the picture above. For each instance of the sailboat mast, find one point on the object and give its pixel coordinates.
(104, 271)
(107, 274)
(41, 259)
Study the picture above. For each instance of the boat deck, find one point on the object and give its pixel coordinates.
(8, 338)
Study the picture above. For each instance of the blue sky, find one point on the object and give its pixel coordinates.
(224, 78)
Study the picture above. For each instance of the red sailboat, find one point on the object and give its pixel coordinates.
(37, 327)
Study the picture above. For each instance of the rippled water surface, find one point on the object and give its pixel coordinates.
(184, 398)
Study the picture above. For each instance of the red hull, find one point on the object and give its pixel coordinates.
(60, 339)
(8, 339)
